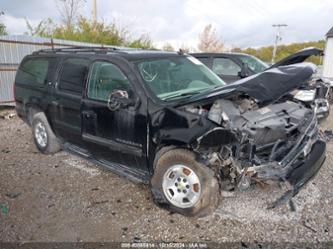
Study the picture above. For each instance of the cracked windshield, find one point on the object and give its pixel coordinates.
(178, 77)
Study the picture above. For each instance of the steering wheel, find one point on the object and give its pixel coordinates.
(149, 72)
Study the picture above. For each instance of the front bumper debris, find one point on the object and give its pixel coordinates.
(299, 166)
(299, 175)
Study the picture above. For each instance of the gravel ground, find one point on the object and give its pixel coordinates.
(64, 198)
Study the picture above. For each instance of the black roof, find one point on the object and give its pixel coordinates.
(137, 54)
(330, 33)
(127, 53)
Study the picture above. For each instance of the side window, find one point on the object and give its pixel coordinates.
(36, 71)
(105, 78)
(225, 66)
(73, 75)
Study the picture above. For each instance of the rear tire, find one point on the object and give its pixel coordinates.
(182, 184)
(44, 138)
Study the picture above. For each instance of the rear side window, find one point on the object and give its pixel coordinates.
(37, 71)
(225, 66)
(73, 75)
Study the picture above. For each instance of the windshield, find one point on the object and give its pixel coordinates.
(253, 63)
(177, 77)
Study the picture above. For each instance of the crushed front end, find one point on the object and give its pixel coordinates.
(280, 142)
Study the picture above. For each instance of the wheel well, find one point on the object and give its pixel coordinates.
(35, 109)
(165, 148)
(32, 110)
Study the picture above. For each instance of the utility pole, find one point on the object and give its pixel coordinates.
(94, 13)
(278, 38)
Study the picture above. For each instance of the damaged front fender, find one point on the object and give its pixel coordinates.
(170, 125)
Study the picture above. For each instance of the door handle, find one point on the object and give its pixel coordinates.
(55, 103)
(89, 115)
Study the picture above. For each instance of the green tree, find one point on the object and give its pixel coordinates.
(144, 41)
(168, 47)
(87, 31)
(265, 53)
(3, 30)
(75, 27)
(43, 28)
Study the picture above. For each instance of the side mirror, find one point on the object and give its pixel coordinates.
(244, 71)
(120, 99)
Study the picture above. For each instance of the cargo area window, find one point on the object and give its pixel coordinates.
(225, 66)
(105, 78)
(73, 75)
(36, 71)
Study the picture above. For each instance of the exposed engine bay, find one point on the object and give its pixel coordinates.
(256, 130)
(268, 141)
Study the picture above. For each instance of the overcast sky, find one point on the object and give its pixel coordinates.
(240, 23)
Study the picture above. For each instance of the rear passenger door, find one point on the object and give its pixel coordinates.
(227, 69)
(68, 93)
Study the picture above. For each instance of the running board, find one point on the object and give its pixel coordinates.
(137, 176)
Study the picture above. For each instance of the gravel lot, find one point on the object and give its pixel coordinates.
(64, 198)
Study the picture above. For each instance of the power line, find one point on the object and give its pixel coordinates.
(94, 13)
(278, 38)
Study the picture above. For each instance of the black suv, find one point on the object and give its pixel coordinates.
(165, 119)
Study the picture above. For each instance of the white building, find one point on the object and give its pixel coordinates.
(328, 58)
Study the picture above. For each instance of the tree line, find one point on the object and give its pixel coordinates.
(74, 26)
(265, 53)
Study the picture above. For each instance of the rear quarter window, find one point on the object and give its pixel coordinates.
(36, 71)
(73, 75)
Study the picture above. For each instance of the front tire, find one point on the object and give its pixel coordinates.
(44, 138)
(182, 184)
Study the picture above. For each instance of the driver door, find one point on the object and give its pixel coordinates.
(118, 136)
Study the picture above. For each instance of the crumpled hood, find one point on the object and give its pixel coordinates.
(298, 57)
(266, 86)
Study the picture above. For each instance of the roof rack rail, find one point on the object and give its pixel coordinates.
(76, 49)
